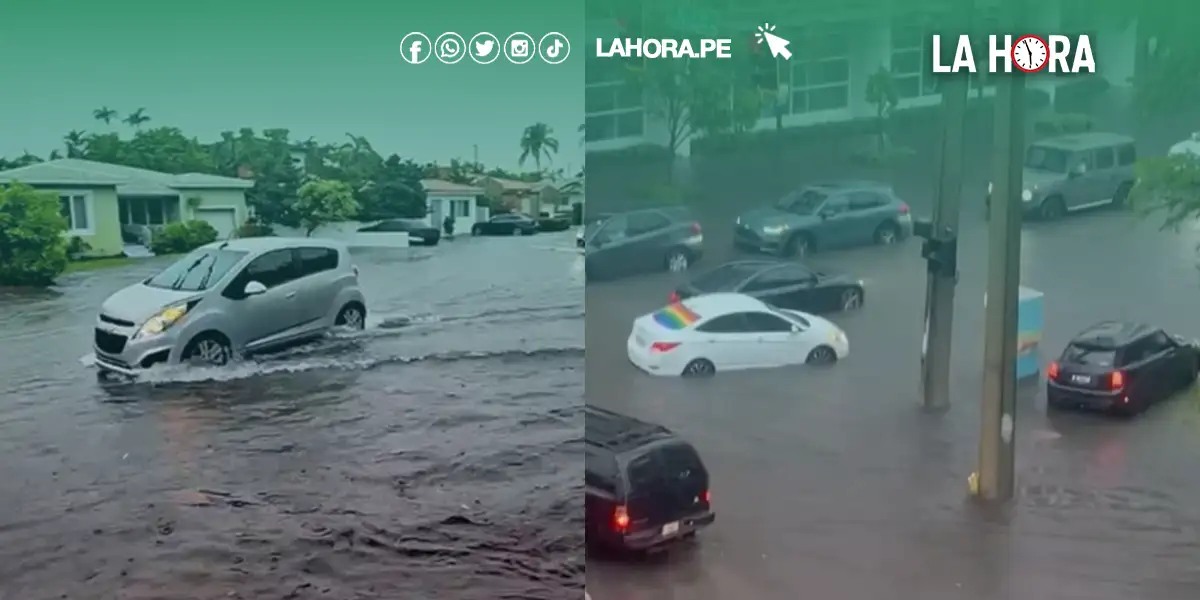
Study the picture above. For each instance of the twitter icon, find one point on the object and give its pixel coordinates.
(484, 48)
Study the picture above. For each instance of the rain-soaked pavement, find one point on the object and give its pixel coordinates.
(833, 482)
(440, 458)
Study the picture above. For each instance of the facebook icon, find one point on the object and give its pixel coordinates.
(415, 48)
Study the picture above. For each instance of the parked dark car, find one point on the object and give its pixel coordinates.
(779, 283)
(419, 233)
(1122, 368)
(506, 224)
(644, 486)
(551, 224)
(642, 241)
(825, 216)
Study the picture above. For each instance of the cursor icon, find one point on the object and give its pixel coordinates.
(777, 45)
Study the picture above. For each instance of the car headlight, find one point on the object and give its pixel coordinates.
(1026, 195)
(738, 221)
(839, 337)
(774, 229)
(162, 321)
(989, 187)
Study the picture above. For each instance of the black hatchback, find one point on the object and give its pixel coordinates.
(645, 487)
(1121, 368)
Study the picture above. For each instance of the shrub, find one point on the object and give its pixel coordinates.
(33, 250)
(183, 236)
(77, 248)
(254, 228)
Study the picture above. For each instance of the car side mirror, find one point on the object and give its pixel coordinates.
(254, 288)
(796, 329)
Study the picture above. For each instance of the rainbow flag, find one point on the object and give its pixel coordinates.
(675, 317)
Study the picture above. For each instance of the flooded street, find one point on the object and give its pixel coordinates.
(442, 455)
(834, 480)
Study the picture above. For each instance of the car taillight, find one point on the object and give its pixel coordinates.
(663, 346)
(695, 229)
(620, 519)
(673, 298)
(904, 208)
(1052, 371)
(707, 497)
(1116, 380)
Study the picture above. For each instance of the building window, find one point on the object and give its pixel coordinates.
(820, 71)
(912, 63)
(614, 110)
(460, 208)
(74, 208)
(148, 211)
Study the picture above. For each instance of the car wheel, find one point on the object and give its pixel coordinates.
(476, 230)
(352, 316)
(700, 367)
(852, 299)
(798, 246)
(821, 355)
(677, 261)
(212, 349)
(1122, 195)
(1053, 208)
(887, 234)
(518, 231)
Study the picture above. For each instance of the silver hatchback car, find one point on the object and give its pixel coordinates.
(230, 298)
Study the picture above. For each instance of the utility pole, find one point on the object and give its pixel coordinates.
(780, 98)
(941, 247)
(997, 477)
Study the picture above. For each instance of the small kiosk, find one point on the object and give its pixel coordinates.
(1029, 333)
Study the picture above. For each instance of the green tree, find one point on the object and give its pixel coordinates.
(33, 249)
(104, 114)
(1168, 186)
(137, 118)
(324, 201)
(395, 193)
(538, 141)
(75, 141)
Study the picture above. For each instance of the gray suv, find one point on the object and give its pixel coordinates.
(825, 216)
(229, 298)
(1075, 172)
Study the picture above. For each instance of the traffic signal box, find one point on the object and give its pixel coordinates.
(939, 251)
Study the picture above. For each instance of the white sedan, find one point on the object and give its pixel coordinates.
(727, 332)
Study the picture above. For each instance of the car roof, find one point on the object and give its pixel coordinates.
(620, 434)
(1111, 335)
(719, 303)
(266, 244)
(851, 184)
(1084, 141)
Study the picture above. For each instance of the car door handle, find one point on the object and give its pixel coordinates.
(290, 295)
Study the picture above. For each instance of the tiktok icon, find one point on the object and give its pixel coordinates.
(554, 48)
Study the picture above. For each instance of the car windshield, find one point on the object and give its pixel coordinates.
(804, 202)
(1083, 354)
(196, 271)
(1042, 158)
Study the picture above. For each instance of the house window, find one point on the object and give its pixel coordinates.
(820, 73)
(148, 211)
(613, 105)
(912, 63)
(74, 207)
(460, 208)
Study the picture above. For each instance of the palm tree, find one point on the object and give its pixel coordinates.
(105, 114)
(75, 143)
(536, 142)
(137, 118)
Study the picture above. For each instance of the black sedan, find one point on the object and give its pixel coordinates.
(506, 224)
(419, 233)
(1121, 367)
(779, 283)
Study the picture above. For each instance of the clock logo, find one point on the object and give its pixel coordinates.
(1030, 53)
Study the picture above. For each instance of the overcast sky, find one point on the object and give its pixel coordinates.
(318, 69)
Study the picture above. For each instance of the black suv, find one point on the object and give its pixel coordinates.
(642, 241)
(1122, 368)
(645, 486)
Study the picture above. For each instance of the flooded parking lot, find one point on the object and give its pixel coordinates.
(833, 480)
(437, 456)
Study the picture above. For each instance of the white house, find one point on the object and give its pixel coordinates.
(835, 54)
(445, 198)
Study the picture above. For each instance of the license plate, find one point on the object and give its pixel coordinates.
(671, 528)
(1081, 379)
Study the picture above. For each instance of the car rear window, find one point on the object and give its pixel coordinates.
(724, 277)
(1082, 354)
(676, 316)
(671, 464)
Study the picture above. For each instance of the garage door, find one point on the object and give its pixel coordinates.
(223, 220)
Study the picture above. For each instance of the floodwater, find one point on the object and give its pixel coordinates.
(439, 459)
(833, 481)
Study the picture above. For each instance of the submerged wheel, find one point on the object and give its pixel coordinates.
(352, 316)
(209, 348)
(821, 355)
(700, 367)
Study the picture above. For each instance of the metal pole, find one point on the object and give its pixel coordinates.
(997, 477)
(939, 295)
